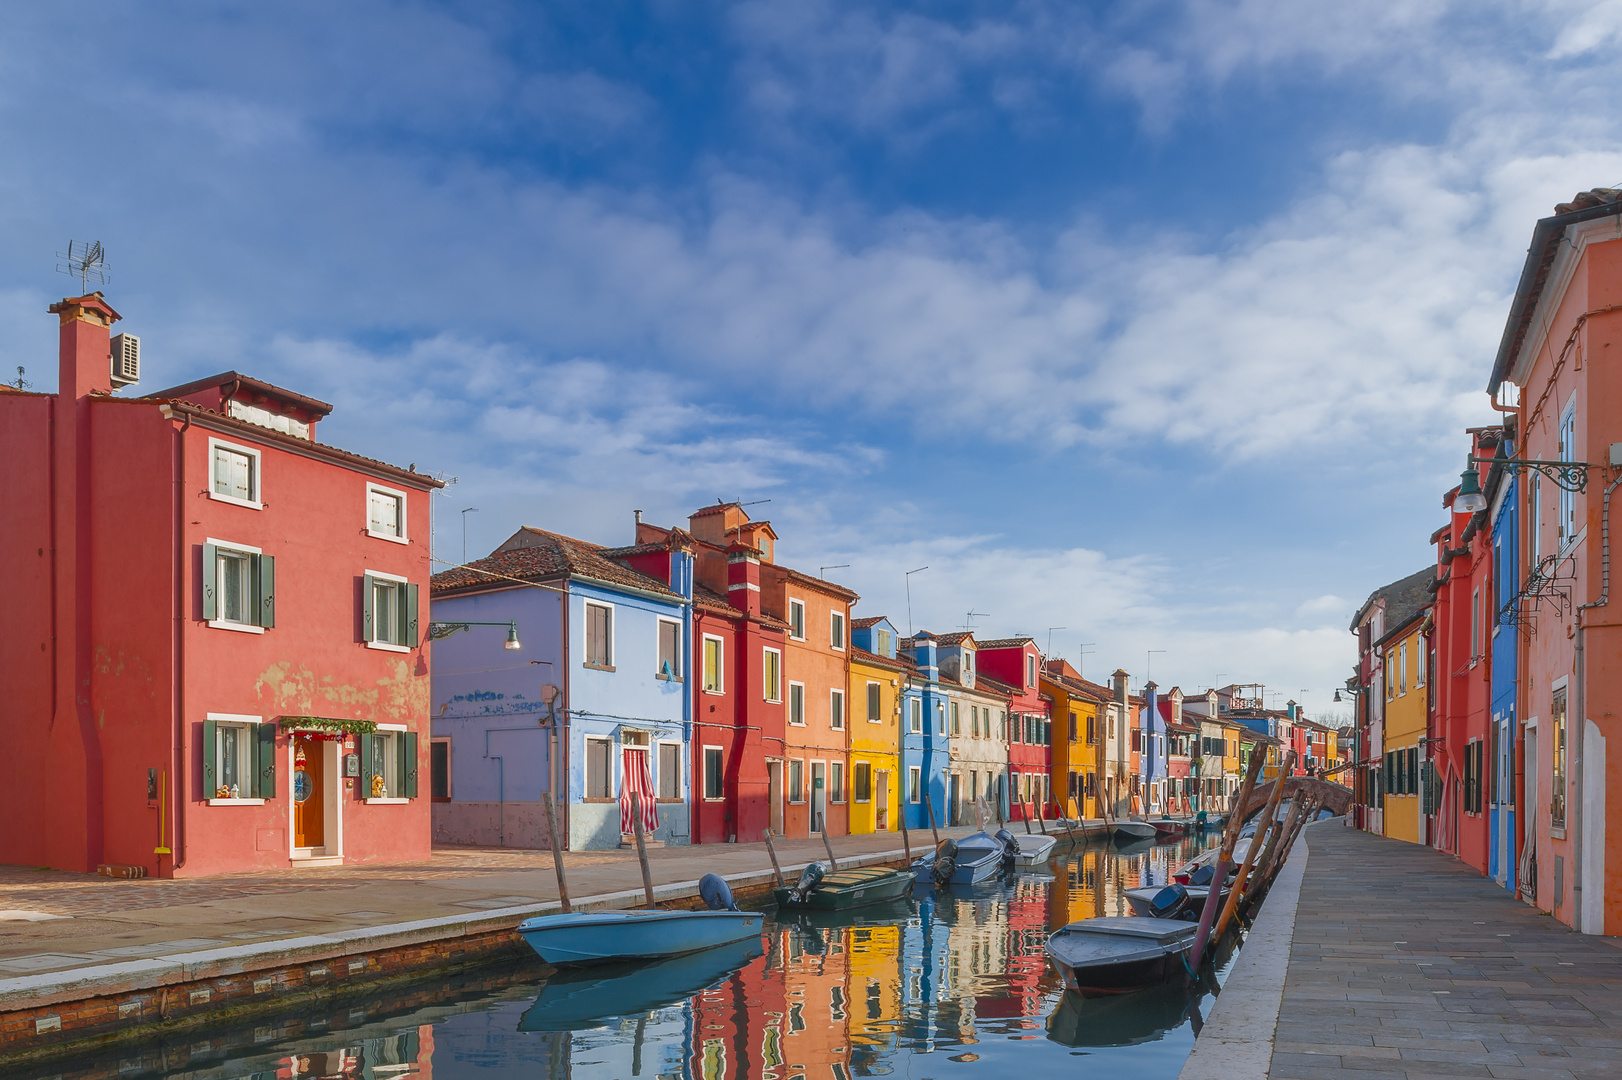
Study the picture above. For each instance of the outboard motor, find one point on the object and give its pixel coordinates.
(1202, 875)
(1168, 902)
(1010, 849)
(810, 878)
(945, 861)
(715, 893)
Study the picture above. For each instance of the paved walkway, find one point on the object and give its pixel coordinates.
(99, 920)
(1406, 963)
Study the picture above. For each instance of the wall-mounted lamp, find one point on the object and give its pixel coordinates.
(440, 630)
(1571, 475)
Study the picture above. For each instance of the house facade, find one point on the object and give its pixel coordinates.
(877, 684)
(1013, 666)
(926, 749)
(214, 657)
(976, 727)
(1078, 748)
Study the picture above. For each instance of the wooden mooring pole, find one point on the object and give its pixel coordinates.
(641, 847)
(772, 851)
(929, 801)
(557, 855)
(833, 862)
(1269, 828)
(1230, 836)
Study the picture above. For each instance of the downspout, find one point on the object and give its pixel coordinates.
(560, 742)
(1602, 600)
(177, 835)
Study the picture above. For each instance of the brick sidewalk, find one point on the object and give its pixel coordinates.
(1407, 963)
(106, 919)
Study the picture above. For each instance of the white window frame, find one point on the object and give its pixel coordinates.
(915, 716)
(244, 752)
(586, 765)
(968, 668)
(1568, 452)
(258, 500)
(393, 579)
(855, 765)
(1030, 670)
(656, 755)
(837, 618)
(915, 784)
(836, 784)
(585, 635)
(659, 624)
(836, 694)
(232, 549)
(871, 686)
(789, 703)
(392, 753)
(794, 604)
(788, 771)
(395, 493)
(720, 665)
(772, 694)
(703, 780)
(1402, 668)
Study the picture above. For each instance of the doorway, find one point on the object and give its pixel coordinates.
(774, 796)
(309, 795)
(952, 808)
(819, 795)
(884, 800)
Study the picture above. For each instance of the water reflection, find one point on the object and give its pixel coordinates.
(950, 976)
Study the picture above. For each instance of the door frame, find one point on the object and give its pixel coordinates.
(332, 814)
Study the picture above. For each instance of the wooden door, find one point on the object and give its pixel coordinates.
(883, 799)
(308, 793)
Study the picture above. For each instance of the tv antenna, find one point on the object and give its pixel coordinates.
(1050, 638)
(21, 383)
(85, 261)
(822, 572)
(968, 620)
(1081, 656)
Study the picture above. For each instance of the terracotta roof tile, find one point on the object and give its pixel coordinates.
(871, 620)
(546, 555)
(1007, 643)
(864, 657)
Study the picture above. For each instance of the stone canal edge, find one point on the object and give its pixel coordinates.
(1236, 1041)
(60, 1013)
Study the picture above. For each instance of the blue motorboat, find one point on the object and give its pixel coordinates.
(600, 937)
(973, 858)
(573, 1000)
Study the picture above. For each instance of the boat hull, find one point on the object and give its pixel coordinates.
(844, 890)
(1115, 955)
(600, 937)
(1035, 850)
(1128, 832)
(1141, 901)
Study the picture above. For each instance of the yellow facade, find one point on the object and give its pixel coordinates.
(875, 763)
(1407, 698)
(1077, 763)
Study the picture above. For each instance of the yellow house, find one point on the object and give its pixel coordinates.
(1076, 743)
(1407, 699)
(877, 677)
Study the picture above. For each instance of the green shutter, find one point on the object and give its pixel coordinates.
(210, 781)
(210, 579)
(264, 577)
(367, 768)
(366, 609)
(408, 762)
(264, 773)
(408, 617)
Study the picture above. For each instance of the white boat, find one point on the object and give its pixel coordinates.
(1033, 850)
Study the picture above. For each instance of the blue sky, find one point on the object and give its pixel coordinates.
(1158, 322)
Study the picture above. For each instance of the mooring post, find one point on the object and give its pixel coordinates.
(557, 855)
(1268, 828)
(1042, 817)
(829, 849)
(906, 841)
(929, 801)
(772, 851)
(641, 847)
(1230, 836)
(1025, 812)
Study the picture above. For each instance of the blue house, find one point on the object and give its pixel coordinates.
(925, 744)
(1152, 759)
(593, 705)
(1506, 632)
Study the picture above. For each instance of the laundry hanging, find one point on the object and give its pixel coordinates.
(637, 778)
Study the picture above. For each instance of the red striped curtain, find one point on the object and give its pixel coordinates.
(639, 780)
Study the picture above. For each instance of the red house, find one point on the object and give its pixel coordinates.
(212, 656)
(1016, 663)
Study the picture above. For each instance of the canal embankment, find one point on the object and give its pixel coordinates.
(1385, 960)
(107, 962)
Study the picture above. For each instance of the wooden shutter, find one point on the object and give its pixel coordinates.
(368, 767)
(366, 609)
(210, 773)
(264, 772)
(408, 763)
(408, 616)
(210, 583)
(264, 577)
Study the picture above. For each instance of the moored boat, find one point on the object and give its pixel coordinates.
(1174, 901)
(597, 937)
(1114, 954)
(974, 858)
(845, 889)
(1033, 850)
(1168, 829)
(1127, 832)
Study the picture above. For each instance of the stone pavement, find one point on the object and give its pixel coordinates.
(101, 920)
(1406, 963)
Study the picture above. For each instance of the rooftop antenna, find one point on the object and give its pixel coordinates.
(21, 383)
(968, 620)
(1148, 658)
(1050, 638)
(87, 262)
(466, 510)
(909, 574)
(1081, 656)
(821, 571)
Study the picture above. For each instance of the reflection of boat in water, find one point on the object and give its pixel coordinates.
(1122, 1019)
(889, 913)
(1134, 847)
(585, 997)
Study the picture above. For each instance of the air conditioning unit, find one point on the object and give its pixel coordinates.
(126, 360)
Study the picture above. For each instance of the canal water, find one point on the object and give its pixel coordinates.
(950, 983)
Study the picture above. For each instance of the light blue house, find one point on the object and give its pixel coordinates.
(1502, 488)
(1152, 760)
(925, 744)
(593, 705)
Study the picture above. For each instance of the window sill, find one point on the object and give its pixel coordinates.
(390, 801)
(715, 693)
(234, 501)
(670, 678)
(236, 802)
(390, 539)
(796, 723)
(595, 799)
(241, 628)
(597, 667)
(384, 646)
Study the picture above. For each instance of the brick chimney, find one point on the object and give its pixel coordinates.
(84, 348)
(743, 578)
(1118, 680)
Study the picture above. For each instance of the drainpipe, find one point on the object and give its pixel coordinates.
(560, 741)
(1578, 818)
(177, 794)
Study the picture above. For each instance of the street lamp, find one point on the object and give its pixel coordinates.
(1469, 500)
(1571, 475)
(441, 630)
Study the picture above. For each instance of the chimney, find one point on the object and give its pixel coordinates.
(1290, 709)
(926, 655)
(84, 347)
(743, 578)
(1118, 680)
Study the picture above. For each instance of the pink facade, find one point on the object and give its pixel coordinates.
(1016, 664)
(153, 616)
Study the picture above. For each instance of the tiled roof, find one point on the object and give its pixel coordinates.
(718, 508)
(956, 637)
(818, 583)
(546, 555)
(1007, 643)
(872, 620)
(315, 406)
(711, 600)
(862, 656)
(1403, 599)
(996, 686)
(1077, 687)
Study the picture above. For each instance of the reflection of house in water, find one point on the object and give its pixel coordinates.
(1025, 930)
(736, 1028)
(1078, 892)
(816, 998)
(875, 994)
